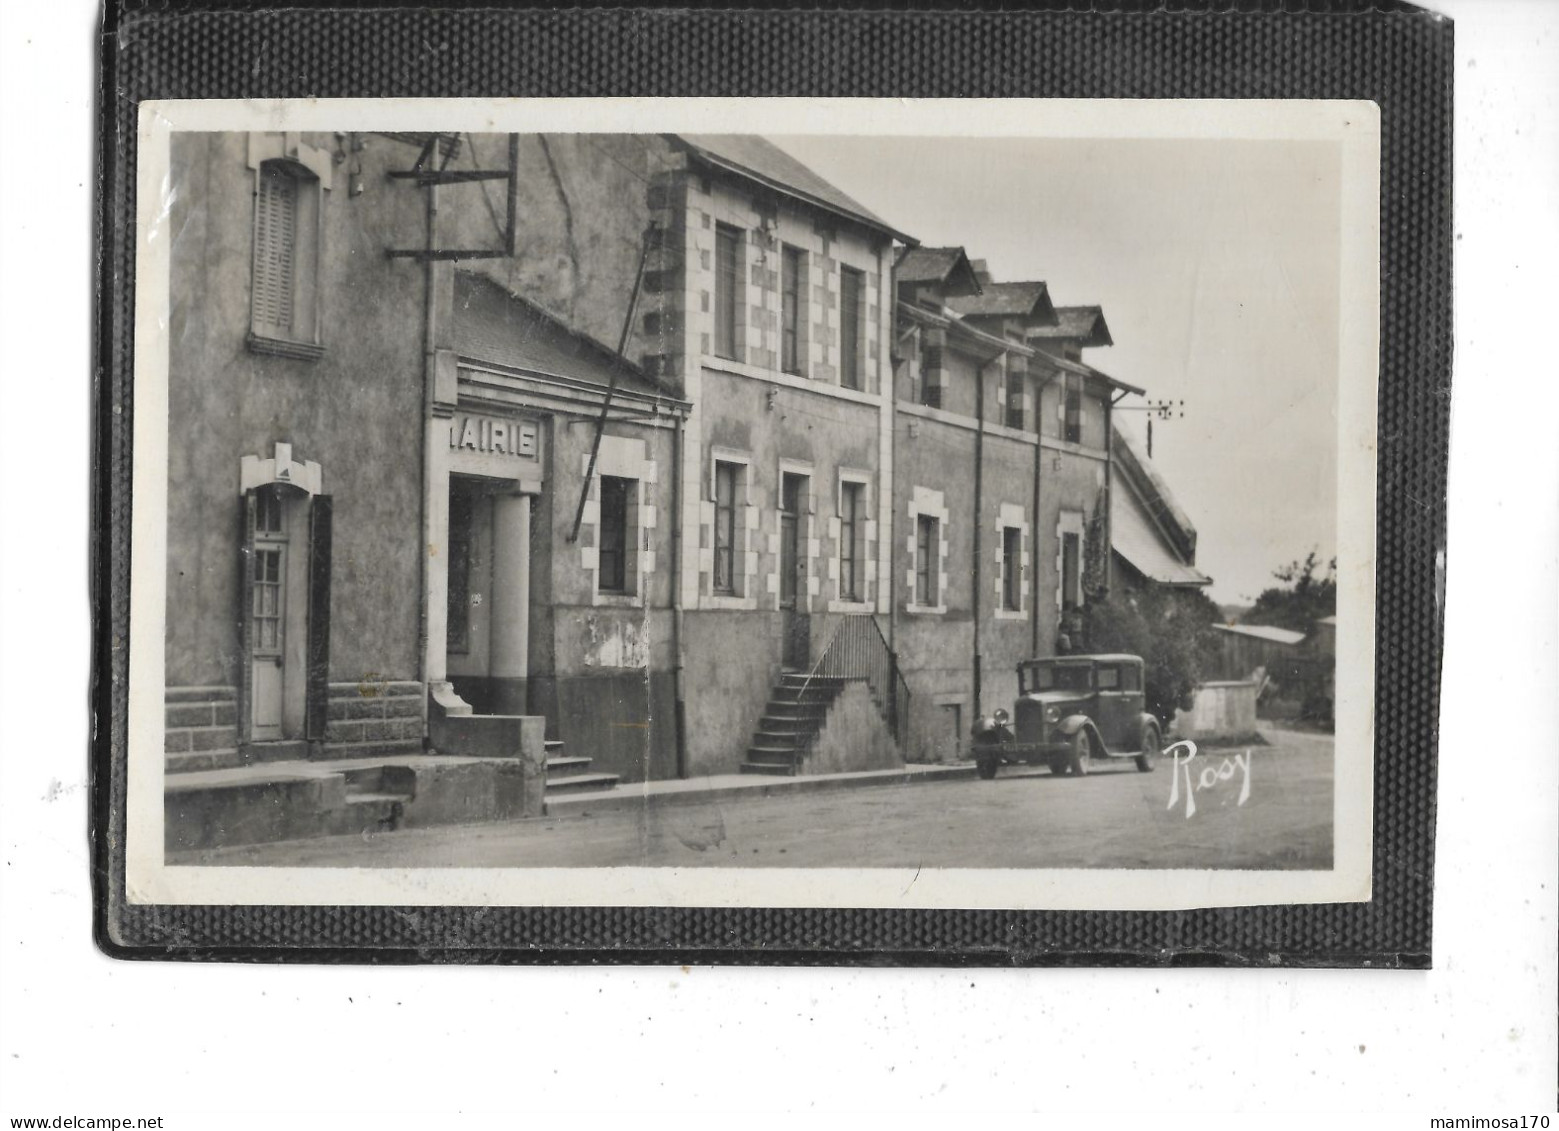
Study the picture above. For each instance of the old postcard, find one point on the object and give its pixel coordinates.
(775, 503)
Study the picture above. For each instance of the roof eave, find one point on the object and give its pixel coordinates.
(698, 153)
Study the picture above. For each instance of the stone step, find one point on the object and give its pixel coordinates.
(773, 769)
(797, 679)
(208, 760)
(769, 739)
(580, 783)
(566, 767)
(553, 745)
(786, 754)
(793, 710)
(809, 697)
(790, 724)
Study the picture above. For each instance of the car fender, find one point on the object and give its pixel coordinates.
(1070, 725)
(1148, 718)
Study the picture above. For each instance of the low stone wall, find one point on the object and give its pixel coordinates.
(1224, 709)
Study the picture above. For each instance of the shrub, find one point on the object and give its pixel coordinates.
(1171, 629)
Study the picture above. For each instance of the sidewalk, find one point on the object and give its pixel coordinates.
(719, 787)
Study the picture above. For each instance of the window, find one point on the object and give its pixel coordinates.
(1012, 567)
(727, 480)
(1109, 677)
(927, 553)
(267, 513)
(851, 516)
(286, 232)
(930, 377)
(1071, 571)
(1131, 678)
(1013, 402)
(612, 554)
(728, 277)
(791, 310)
(851, 283)
(1074, 409)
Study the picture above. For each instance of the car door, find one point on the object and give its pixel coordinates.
(1115, 717)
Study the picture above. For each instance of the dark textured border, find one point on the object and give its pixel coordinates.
(1391, 54)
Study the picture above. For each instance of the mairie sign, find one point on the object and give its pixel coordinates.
(499, 437)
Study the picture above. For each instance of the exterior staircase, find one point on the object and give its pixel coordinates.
(571, 775)
(795, 714)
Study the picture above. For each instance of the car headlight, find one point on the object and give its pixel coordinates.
(1052, 714)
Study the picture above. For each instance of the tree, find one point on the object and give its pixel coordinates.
(1171, 629)
(1305, 596)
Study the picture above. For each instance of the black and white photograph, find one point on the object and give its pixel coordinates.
(857, 510)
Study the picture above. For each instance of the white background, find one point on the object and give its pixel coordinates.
(83, 1035)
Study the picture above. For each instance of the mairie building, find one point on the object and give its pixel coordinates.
(503, 467)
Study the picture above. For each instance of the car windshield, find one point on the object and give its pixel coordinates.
(1060, 677)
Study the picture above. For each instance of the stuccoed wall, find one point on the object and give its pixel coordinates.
(582, 211)
(356, 410)
(935, 649)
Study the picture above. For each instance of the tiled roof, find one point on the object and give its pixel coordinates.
(762, 160)
(495, 326)
(1085, 323)
(1014, 300)
(946, 265)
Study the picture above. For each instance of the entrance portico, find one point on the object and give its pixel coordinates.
(486, 472)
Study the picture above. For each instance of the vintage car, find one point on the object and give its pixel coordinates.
(1069, 710)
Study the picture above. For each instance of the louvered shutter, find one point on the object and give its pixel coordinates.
(275, 249)
(246, 518)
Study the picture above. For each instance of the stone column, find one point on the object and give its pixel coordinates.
(509, 663)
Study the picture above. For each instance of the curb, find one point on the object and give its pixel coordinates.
(628, 797)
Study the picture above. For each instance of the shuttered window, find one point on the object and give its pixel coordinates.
(791, 311)
(727, 483)
(612, 559)
(728, 276)
(928, 547)
(851, 516)
(851, 284)
(1011, 568)
(275, 250)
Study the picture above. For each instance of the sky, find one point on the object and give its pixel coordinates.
(1217, 265)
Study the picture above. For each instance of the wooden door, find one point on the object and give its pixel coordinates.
(267, 635)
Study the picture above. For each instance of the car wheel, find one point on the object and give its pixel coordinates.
(986, 768)
(1078, 760)
(1150, 748)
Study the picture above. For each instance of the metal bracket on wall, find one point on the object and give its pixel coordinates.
(426, 175)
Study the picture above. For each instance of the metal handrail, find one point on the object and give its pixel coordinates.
(859, 650)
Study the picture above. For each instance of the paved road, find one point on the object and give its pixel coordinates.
(1114, 818)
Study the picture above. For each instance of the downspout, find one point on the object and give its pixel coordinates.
(1034, 540)
(979, 519)
(679, 691)
(1109, 494)
(425, 523)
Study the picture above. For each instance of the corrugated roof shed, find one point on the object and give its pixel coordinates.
(767, 163)
(1010, 300)
(946, 265)
(1263, 632)
(500, 328)
(1085, 323)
